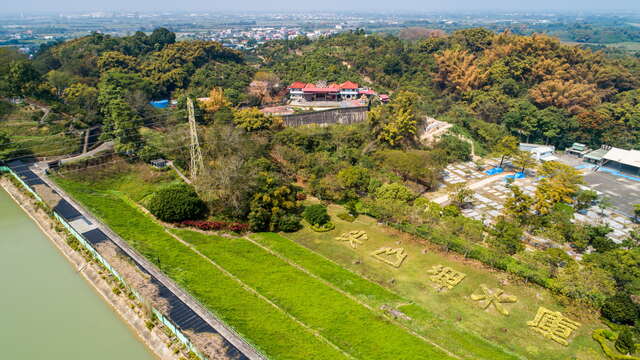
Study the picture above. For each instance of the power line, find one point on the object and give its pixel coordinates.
(196, 155)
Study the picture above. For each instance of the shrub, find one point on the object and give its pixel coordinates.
(323, 228)
(215, 225)
(289, 223)
(176, 203)
(625, 343)
(346, 217)
(599, 336)
(620, 309)
(316, 214)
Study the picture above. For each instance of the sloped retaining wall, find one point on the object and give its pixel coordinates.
(342, 116)
(87, 245)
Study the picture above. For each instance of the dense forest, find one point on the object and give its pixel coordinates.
(497, 89)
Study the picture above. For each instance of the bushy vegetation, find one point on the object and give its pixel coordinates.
(176, 203)
(316, 214)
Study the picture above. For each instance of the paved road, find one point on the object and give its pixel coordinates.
(192, 314)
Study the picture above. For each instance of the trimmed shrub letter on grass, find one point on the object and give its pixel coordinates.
(495, 297)
(553, 325)
(393, 257)
(354, 237)
(445, 277)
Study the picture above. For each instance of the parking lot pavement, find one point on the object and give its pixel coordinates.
(623, 193)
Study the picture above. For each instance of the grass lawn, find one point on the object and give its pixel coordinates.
(411, 282)
(273, 332)
(22, 126)
(355, 329)
(328, 294)
(442, 332)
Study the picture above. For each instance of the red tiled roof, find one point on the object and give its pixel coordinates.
(348, 85)
(297, 85)
(321, 90)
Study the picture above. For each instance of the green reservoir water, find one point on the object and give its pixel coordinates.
(47, 310)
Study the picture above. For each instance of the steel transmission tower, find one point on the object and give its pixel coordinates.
(196, 155)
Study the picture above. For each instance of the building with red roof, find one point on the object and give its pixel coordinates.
(334, 92)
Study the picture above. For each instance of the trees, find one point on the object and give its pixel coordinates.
(394, 191)
(584, 199)
(161, 37)
(587, 283)
(518, 206)
(575, 97)
(272, 202)
(559, 184)
(460, 194)
(620, 309)
(455, 148)
(458, 71)
(636, 212)
(506, 236)
(60, 80)
(395, 124)
(506, 148)
(22, 78)
(115, 60)
(523, 160)
(123, 125)
(252, 119)
(176, 203)
(412, 165)
(355, 181)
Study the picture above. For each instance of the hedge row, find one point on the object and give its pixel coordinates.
(215, 225)
(599, 336)
(485, 255)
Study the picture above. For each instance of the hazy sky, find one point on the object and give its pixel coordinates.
(413, 5)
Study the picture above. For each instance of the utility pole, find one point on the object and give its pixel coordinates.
(196, 155)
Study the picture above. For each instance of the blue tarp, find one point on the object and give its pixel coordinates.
(160, 104)
(518, 175)
(494, 171)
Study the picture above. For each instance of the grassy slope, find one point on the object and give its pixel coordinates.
(351, 326)
(18, 123)
(275, 333)
(445, 333)
(411, 282)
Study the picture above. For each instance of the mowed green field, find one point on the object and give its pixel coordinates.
(456, 312)
(292, 316)
(307, 296)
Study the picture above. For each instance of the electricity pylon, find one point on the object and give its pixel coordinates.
(197, 163)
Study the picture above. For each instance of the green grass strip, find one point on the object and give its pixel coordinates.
(274, 332)
(444, 333)
(351, 326)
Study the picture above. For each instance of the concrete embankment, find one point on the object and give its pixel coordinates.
(194, 326)
(128, 310)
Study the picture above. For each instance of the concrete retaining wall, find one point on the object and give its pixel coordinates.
(342, 116)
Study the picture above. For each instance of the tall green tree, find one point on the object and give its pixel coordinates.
(506, 148)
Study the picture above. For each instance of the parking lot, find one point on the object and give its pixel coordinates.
(623, 193)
